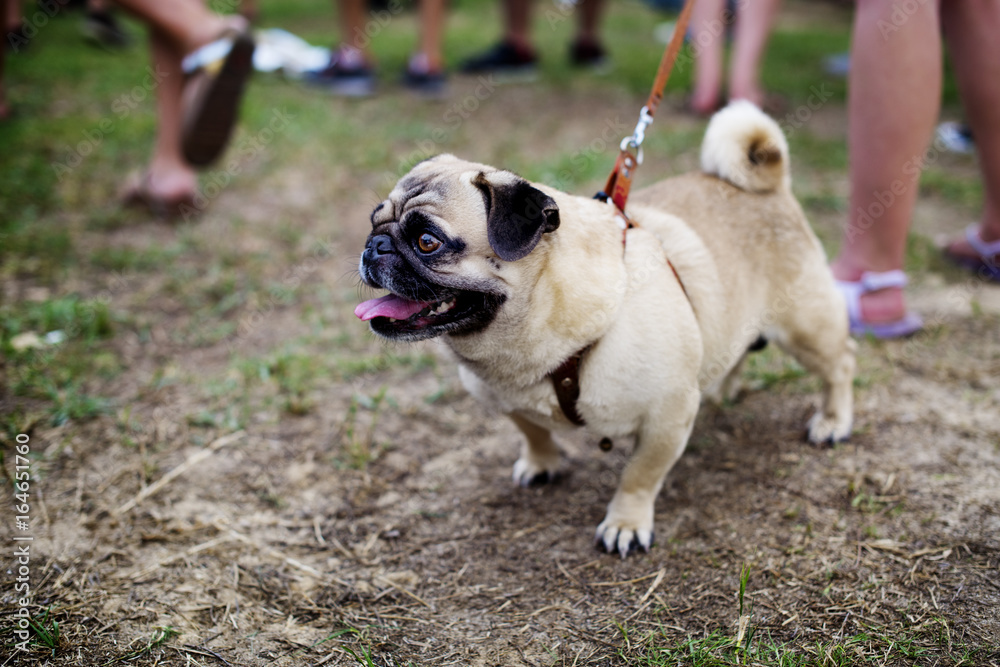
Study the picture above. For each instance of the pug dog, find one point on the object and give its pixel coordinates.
(537, 294)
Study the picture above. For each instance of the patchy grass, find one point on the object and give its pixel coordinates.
(358, 487)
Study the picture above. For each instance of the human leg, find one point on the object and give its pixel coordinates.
(893, 96)
(753, 28)
(970, 28)
(185, 24)
(425, 73)
(586, 49)
(350, 70)
(4, 109)
(169, 181)
(514, 56)
(708, 36)
(432, 17)
(591, 12)
(517, 23)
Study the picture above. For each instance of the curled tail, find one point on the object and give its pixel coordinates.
(744, 146)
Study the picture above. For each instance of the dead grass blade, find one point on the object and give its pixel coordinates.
(192, 461)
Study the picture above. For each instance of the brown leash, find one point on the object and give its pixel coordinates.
(566, 378)
(630, 156)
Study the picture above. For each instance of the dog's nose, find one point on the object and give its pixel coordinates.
(380, 245)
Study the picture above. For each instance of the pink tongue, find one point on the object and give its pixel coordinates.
(389, 305)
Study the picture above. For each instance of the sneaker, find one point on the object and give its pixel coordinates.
(503, 59)
(419, 78)
(956, 137)
(585, 53)
(103, 29)
(346, 74)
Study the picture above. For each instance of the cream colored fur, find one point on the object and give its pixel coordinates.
(750, 266)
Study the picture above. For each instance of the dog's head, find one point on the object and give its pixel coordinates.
(443, 244)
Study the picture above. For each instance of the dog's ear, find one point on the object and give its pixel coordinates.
(517, 214)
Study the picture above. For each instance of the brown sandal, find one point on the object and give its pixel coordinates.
(137, 194)
(216, 76)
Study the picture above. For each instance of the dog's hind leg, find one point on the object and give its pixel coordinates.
(539, 462)
(728, 389)
(816, 335)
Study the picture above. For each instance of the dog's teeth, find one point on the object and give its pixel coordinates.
(444, 307)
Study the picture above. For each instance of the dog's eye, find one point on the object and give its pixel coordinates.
(428, 243)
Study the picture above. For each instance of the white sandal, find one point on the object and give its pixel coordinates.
(872, 281)
(987, 265)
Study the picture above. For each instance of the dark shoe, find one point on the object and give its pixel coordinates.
(584, 53)
(503, 59)
(345, 74)
(102, 29)
(428, 84)
(216, 75)
(420, 79)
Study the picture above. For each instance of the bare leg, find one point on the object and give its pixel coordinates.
(894, 89)
(517, 20)
(431, 33)
(11, 15)
(249, 10)
(708, 34)
(971, 28)
(186, 24)
(753, 28)
(590, 20)
(169, 176)
(4, 110)
(352, 26)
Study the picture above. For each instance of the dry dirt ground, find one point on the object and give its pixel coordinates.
(291, 490)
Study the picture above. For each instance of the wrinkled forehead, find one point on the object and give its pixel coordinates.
(436, 189)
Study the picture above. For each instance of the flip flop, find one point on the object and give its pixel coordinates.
(872, 281)
(136, 193)
(987, 265)
(216, 75)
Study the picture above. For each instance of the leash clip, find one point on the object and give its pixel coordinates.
(638, 135)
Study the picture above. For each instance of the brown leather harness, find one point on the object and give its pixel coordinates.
(566, 377)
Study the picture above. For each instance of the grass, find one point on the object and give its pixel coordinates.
(54, 351)
(45, 630)
(929, 643)
(242, 319)
(159, 637)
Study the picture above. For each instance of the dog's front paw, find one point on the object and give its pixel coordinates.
(535, 470)
(828, 429)
(628, 524)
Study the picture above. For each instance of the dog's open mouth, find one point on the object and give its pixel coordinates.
(397, 317)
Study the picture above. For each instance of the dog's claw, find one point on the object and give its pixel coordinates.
(623, 540)
(828, 430)
(528, 474)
